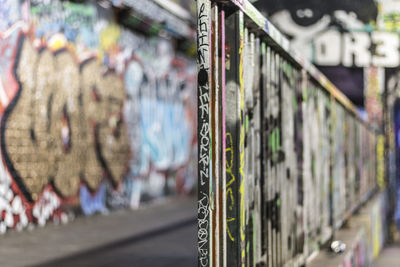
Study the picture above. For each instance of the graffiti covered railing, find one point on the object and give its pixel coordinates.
(284, 158)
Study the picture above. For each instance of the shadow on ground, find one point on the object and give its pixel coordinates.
(174, 245)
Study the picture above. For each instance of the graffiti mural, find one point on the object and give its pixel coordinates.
(92, 114)
(70, 117)
(75, 21)
(331, 34)
(342, 38)
(14, 213)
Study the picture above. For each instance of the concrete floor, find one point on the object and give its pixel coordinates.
(163, 234)
(390, 257)
(174, 247)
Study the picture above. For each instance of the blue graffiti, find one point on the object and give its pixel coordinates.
(159, 129)
(75, 21)
(9, 13)
(8, 46)
(91, 204)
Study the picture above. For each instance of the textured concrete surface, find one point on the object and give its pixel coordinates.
(349, 234)
(173, 247)
(326, 258)
(163, 234)
(390, 257)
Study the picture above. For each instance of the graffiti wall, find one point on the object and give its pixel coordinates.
(93, 116)
(344, 39)
(357, 33)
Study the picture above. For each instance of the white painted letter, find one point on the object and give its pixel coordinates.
(357, 44)
(387, 49)
(327, 48)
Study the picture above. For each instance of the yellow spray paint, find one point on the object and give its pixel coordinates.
(109, 36)
(57, 42)
(241, 145)
(381, 162)
(230, 175)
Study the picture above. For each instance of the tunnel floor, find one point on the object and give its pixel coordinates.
(161, 234)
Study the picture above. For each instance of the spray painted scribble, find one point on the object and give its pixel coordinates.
(203, 61)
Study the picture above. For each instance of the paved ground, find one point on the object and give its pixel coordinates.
(390, 257)
(160, 235)
(172, 247)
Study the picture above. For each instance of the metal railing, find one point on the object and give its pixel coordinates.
(284, 157)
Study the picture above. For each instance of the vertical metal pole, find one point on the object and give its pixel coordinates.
(204, 170)
(263, 169)
(223, 116)
(232, 111)
(215, 138)
(242, 175)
